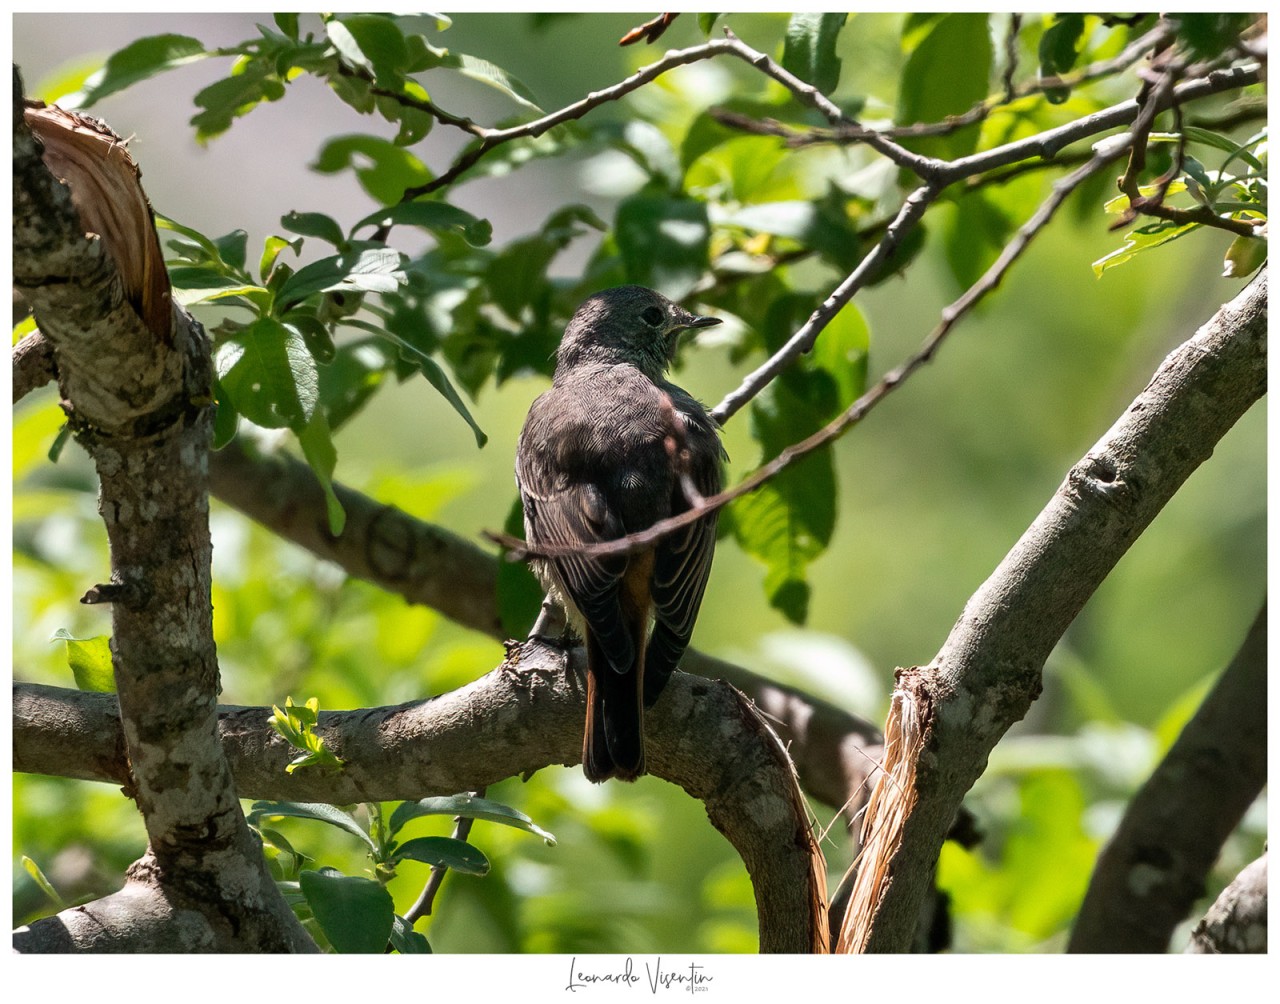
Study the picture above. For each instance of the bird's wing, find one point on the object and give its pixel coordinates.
(683, 560)
(563, 513)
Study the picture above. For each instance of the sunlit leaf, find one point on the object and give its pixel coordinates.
(139, 60)
(439, 217)
(269, 375)
(470, 806)
(383, 169)
(90, 661)
(1145, 238)
(375, 270)
(317, 447)
(1244, 257)
(317, 811)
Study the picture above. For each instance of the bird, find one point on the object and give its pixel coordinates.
(608, 450)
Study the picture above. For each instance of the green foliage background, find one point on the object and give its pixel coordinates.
(896, 525)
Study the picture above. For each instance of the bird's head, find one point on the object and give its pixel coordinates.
(627, 324)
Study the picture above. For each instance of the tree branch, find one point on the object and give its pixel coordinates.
(834, 751)
(135, 380)
(1154, 867)
(947, 716)
(522, 717)
(1237, 921)
(801, 341)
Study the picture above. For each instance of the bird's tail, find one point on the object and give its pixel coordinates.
(613, 742)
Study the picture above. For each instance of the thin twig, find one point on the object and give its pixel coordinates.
(422, 908)
(951, 315)
(1011, 56)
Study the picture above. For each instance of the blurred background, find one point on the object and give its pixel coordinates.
(934, 488)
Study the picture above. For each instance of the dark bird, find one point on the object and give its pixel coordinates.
(609, 450)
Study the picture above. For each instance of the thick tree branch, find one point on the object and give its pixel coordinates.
(33, 365)
(1237, 921)
(1154, 867)
(947, 716)
(136, 387)
(834, 751)
(522, 717)
(384, 545)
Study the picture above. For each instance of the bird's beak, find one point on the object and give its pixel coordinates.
(684, 320)
(702, 322)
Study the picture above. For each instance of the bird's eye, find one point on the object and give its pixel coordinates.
(652, 316)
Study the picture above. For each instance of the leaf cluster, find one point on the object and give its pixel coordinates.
(353, 913)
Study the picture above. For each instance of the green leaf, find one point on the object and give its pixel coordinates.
(297, 725)
(269, 375)
(315, 225)
(822, 225)
(1244, 257)
(444, 851)
(706, 22)
(495, 76)
(789, 521)
(346, 384)
(810, 48)
(271, 249)
(139, 60)
(471, 807)
(204, 285)
(1120, 203)
(664, 242)
(372, 42)
(288, 23)
(314, 331)
(841, 353)
(317, 447)
(225, 419)
(438, 217)
(65, 84)
(1143, 239)
(233, 248)
(237, 95)
(974, 236)
(90, 661)
(1058, 51)
(40, 879)
(407, 941)
(1208, 35)
(356, 914)
(1208, 138)
(348, 48)
(374, 270)
(383, 169)
(946, 74)
(317, 811)
(206, 250)
(438, 379)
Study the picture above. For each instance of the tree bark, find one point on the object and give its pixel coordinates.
(946, 717)
(1237, 921)
(135, 380)
(524, 716)
(1153, 869)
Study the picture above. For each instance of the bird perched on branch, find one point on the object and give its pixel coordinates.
(609, 450)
